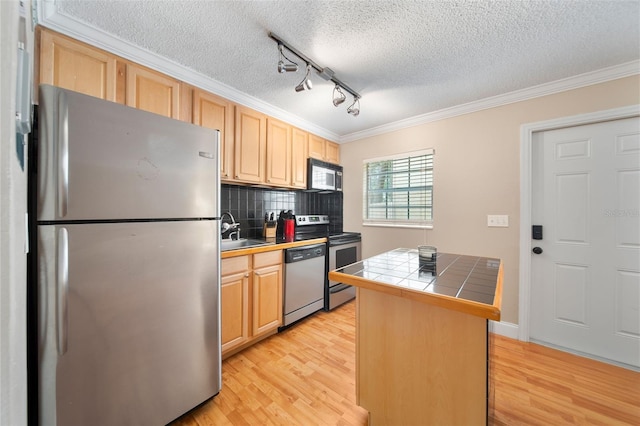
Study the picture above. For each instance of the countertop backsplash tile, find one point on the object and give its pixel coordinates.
(248, 206)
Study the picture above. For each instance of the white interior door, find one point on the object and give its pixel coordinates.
(585, 284)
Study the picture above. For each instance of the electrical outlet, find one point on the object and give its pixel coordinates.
(498, 221)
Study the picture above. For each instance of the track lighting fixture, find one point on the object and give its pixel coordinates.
(338, 98)
(306, 81)
(353, 108)
(287, 65)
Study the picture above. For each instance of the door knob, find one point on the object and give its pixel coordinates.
(537, 250)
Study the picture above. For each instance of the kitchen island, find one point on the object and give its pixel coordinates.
(422, 336)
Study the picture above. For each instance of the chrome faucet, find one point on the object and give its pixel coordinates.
(233, 226)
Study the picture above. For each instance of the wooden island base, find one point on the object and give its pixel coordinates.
(419, 364)
(421, 335)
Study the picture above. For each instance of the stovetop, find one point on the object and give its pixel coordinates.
(317, 226)
(340, 237)
(345, 236)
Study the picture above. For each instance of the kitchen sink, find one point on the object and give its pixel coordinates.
(241, 243)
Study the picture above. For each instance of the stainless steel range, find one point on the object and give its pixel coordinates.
(343, 249)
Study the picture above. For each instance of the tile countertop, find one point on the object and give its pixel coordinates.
(463, 283)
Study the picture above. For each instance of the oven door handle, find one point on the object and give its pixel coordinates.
(341, 243)
(338, 288)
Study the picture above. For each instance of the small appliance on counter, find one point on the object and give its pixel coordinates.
(286, 225)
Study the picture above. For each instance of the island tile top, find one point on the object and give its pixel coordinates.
(453, 275)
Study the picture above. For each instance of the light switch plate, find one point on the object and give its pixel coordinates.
(498, 220)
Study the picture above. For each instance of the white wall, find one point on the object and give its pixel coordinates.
(476, 173)
(13, 380)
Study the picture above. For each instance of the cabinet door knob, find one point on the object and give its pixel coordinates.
(246, 275)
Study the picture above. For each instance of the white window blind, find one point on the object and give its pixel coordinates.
(398, 190)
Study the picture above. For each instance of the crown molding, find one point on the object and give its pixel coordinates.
(49, 17)
(587, 79)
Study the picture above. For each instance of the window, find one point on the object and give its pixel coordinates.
(398, 190)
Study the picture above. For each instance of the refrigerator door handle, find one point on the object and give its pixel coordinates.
(63, 154)
(62, 288)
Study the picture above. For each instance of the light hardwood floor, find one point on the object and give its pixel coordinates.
(306, 376)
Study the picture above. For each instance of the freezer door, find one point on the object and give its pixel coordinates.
(128, 321)
(101, 160)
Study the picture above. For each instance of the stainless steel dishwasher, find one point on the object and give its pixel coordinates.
(304, 279)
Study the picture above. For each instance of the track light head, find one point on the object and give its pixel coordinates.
(353, 108)
(283, 66)
(306, 81)
(338, 97)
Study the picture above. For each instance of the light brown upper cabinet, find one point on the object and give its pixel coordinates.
(215, 112)
(278, 153)
(151, 91)
(299, 149)
(332, 152)
(75, 66)
(323, 149)
(250, 148)
(316, 147)
(254, 148)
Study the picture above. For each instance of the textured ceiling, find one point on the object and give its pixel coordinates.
(405, 58)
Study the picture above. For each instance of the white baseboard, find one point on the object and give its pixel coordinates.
(505, 329)
(510, 330)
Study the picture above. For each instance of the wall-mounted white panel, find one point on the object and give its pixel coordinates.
(628, 211)
(628, 304)
(572, 207)
(572, 150)
(571, 287)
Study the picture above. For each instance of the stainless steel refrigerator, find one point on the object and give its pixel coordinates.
(128, 269)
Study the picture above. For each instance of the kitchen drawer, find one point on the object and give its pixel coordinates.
(234, 265)
(267, 258)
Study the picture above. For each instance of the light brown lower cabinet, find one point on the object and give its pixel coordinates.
(250, 299)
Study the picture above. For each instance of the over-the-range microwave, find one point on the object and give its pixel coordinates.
(323, 176)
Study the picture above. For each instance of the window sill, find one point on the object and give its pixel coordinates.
(398, 225)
